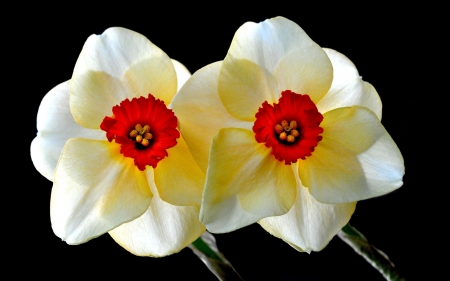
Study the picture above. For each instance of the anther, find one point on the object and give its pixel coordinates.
(133, 133)
(294, 133)
(145, 142)
(290, 138)
(283, 136)
(293, 124)
(138, 127)
(139, 138)
(278, 128)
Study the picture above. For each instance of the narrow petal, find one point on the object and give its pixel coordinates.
(348, 88)
(183, 73)
(309, 225)
(55, 126)
(199, 95)
(178, 178)
(356, 159)
(162, 230)
(95, 190)
(244, 183)
(116, 65)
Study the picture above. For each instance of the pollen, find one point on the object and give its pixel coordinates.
(287, 132)
(141, 134)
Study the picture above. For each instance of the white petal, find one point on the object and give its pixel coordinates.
(162, 230)
(183, 73)
(55, 126)
(348, 89)
(95, 190)
(356, 159)
(178, 178)
(116, 65)
(244, 183)
(267, 58)
(309, 225)
(193, 106)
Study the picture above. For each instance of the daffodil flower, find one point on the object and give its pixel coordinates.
(109, 142)
(288, 134)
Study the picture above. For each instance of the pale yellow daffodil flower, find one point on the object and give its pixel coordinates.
(288, 134)
(110, 144)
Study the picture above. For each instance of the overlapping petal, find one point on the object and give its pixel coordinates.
(162, 230)
(95, 190)
(199, 95)
(267, 58)
(55, 126)
(309, 225)
(348, 88)
(356, 159)
(243, 183)
(116, 65)
(178, 177)
(183, 74)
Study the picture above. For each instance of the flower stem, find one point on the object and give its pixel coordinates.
(375, 257)
(206, 249)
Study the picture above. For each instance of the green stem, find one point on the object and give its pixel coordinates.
(375, 257)
(206, 249)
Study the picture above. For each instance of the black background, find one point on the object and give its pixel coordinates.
(379, 41)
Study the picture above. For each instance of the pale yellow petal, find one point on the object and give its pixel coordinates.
(356, 159)
(243, 86)
(201, 114)
(309, 225)
(178, 178)
(162, 230)
(116, 65)
(55, 126)
(348, 88)
(183, 73)
(244, 183)
(95, 190)
(267, 58)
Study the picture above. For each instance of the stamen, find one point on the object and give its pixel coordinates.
(293, 124)
(133, 134)
(146, 129)
(138, 127)
(278, 128)
(287, 127)
(141, 134)
(145, 142)
(294, 133)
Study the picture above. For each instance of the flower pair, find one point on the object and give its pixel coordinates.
(281, 132)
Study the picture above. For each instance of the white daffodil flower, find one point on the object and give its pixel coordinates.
(109, 142)
(288, 135)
